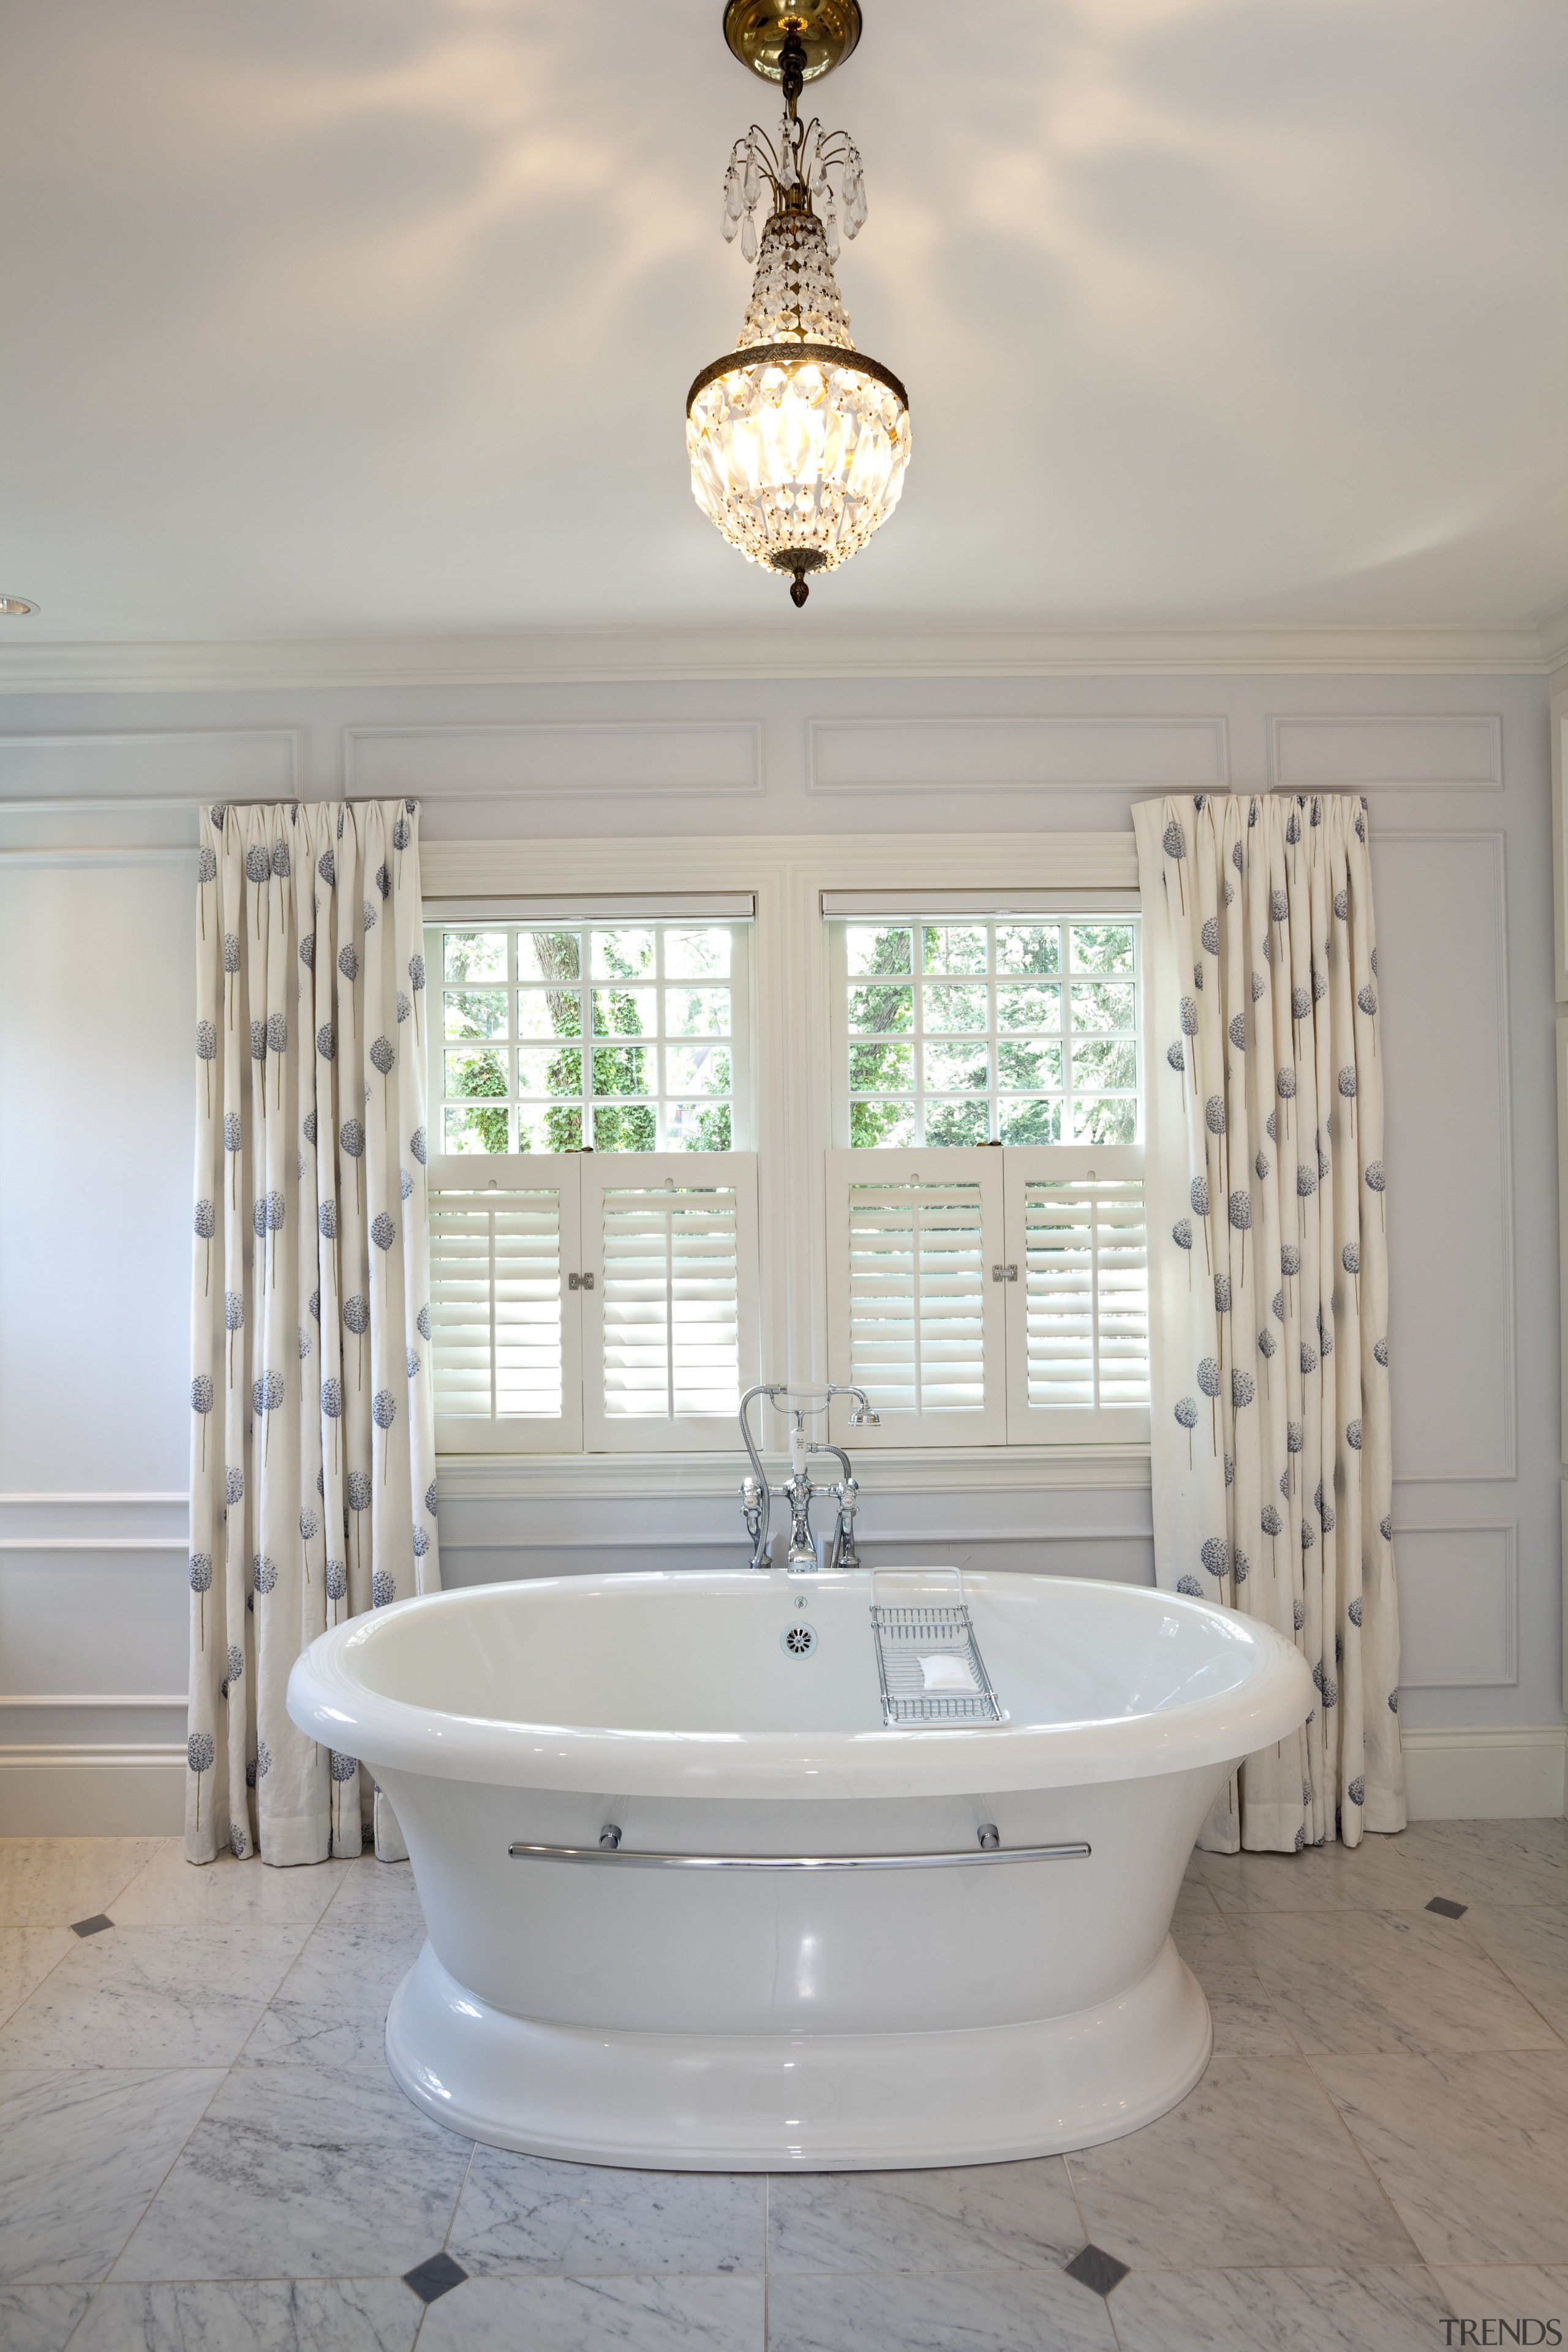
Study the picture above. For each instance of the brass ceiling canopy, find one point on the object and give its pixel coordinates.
(757, 30)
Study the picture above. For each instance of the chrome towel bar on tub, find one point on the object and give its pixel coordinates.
(620, 1857)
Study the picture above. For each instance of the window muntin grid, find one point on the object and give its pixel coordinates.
(1021, 1031)
(556, 1036)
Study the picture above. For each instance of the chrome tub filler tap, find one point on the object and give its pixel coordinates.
(804, 1556)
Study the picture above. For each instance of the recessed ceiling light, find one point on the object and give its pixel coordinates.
(13, 608)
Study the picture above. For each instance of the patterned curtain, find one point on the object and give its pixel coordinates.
(1267, 1278)
(312, 1431)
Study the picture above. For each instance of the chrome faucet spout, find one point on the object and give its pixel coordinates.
(800, 1491)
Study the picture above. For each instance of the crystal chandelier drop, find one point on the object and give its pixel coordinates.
(798, 442)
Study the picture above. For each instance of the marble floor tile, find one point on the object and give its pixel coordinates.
(1385, 1981)
(1531, 1948)
(49, 1882)
(253, 2315)
(80, 2155)
(1511, 1862)
(151, 1997)
(39, 2319)
(1196, 1904)
(174, 1893)
(1371, 1877)
(1507, 2291)
(1393, 2310)
(1252, 2167)
(302, 2172)
(978, 2311)
(604, 2314)
(26, 1956)
(1471, 2150)
(525, 2213)
(1245, 2021)
(331, 2009)
(976, 2217)
(372, 1891)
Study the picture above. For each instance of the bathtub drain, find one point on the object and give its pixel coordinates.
(798, 1640)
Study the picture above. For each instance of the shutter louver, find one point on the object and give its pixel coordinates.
(670, 1328)
(915, 1319)
(503, 1357)
(1086, 1294)
(672, 1342)
(1079, 1345)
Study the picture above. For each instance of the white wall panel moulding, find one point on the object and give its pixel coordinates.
(572, 757)
(884, 1477)
(90, 1791)
(903, 862)
(813, 651)
(82, 859)
(1446, 1046)
(92, 1698)
(881, 905)
(1458, 1590)
(1486, 1773)
(1553, 635)
(94, 1543)
(63, 1500)
(628, 906)
(1560, 852)
(1100, 753)
(954, 1538)
(1457, 751)
(177, 768)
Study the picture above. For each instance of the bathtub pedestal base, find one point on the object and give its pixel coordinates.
(780, 2103)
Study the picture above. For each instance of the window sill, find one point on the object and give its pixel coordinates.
(936, 1470)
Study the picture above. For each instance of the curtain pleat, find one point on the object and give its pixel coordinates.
(312, 1434)
(1269, 1281)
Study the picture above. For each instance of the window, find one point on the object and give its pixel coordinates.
(611, 1266)
(986, 1296)
(591, 1301)
(991, 1297)
(592, 1226)
(620, 1035)
(961, 1031)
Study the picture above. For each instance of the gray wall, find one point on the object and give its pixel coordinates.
(97, 867)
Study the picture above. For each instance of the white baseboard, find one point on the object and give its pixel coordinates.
(93, 1792)
(1486, 1773)
(1474, 1772)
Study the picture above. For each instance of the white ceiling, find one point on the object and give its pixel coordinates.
(364, 316)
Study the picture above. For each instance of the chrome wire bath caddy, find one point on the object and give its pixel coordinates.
(928, 1659)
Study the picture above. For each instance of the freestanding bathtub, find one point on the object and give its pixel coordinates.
(819, 1943)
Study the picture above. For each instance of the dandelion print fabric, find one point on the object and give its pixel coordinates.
(1269, 1279)
(312, 1433)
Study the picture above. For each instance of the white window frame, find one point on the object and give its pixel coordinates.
(584, 915)
(943, 1176)
(580, 1181)
(661, 1174)
(509, 1174)
(1001, 1175)
(841, 983)
(789, 875)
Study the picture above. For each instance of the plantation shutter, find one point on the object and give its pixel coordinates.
(504, 1238)
(1077, 1308)
(670, 1328)
(915, 1314)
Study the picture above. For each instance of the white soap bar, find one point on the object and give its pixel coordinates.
(948, 1673)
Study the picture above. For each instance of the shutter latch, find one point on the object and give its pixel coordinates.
(579, 1282)
(1004, 1274)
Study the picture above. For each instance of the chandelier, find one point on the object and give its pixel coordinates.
(798, 442)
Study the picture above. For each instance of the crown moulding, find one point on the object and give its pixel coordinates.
(609, 656)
